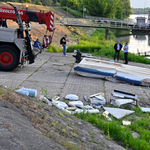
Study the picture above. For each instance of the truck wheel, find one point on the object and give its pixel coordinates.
(9, 58)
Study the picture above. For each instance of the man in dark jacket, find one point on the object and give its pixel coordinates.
(64, 44)
(117, 48)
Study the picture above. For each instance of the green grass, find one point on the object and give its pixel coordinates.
(75, 13)
(52, 49)
(123, 134)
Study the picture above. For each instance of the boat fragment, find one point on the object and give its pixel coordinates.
(117, 112)
(72, 97)
(120, 102)
(126, 123)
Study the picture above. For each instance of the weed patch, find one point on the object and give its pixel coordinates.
(123, 134)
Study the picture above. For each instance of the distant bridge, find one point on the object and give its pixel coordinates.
(107, 23)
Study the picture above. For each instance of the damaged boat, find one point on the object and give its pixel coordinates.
(120, 72)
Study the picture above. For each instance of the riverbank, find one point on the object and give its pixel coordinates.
(98, 46)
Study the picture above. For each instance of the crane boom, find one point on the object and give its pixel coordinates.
(27, 16)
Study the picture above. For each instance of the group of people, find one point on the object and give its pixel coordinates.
(118, 47)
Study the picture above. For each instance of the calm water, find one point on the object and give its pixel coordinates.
(138, 42)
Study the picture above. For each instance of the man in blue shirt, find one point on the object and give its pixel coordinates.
(117, 48)
(37, 44)
(126, 48)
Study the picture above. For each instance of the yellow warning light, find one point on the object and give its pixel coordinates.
(27, 6)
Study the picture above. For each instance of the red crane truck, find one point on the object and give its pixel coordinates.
(15, 50)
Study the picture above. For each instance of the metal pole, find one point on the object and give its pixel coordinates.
(83, 11)
(67, 12)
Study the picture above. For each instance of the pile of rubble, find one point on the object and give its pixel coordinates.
(96, 103)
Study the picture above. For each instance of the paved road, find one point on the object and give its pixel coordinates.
(53, 74)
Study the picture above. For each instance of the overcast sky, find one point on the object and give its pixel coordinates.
(140, 3)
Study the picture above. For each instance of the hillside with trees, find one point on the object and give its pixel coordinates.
(119, 9)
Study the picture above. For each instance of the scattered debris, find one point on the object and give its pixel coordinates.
(85, 98)
(120, 102)
(145, 109)
(97, 94)
(75, 103)
(72, 97)
(22, 92)
(55, 98)
(122, 94)
(80, 110)
(126, 123)
(117, 112)
(95, 100)
(32, 92)
(61, 104)
(135, 134)
(106, 113)
(71, 108)
(88, 107)
(95, 111)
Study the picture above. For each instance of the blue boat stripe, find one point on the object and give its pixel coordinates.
(92, 71)
(138, 82)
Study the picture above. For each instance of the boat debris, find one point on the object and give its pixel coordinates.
(72, 97)
(27, 92)
(120, 102)
(113, 71)
(55, 98)
(105, 114)
(126, 123)
(118, 112)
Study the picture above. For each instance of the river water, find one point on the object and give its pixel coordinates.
(137, 42)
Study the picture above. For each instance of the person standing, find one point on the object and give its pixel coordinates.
(126, 49)
(117, 48)
(63, 42)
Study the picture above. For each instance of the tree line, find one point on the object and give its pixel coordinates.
(141, 10)
(119, 9)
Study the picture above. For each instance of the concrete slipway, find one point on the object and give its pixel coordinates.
(53, 74)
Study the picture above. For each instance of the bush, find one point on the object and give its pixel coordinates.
(52, 49)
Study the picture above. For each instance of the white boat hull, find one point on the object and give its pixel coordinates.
(104, 69)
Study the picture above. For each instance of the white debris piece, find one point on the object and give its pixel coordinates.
(106, 113)
(41, 97)
(117, 112)
(62, 104)
(22, 92)
(126, 123)
(120, 102)
(62, 108)
(121, 94)
(75, 103)
(80, 110)
(144, 109)
(71, 108)
(87, 107)
(93, 111)
(55, 98)
(97, 94)
(72, 97)
(95, 100)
